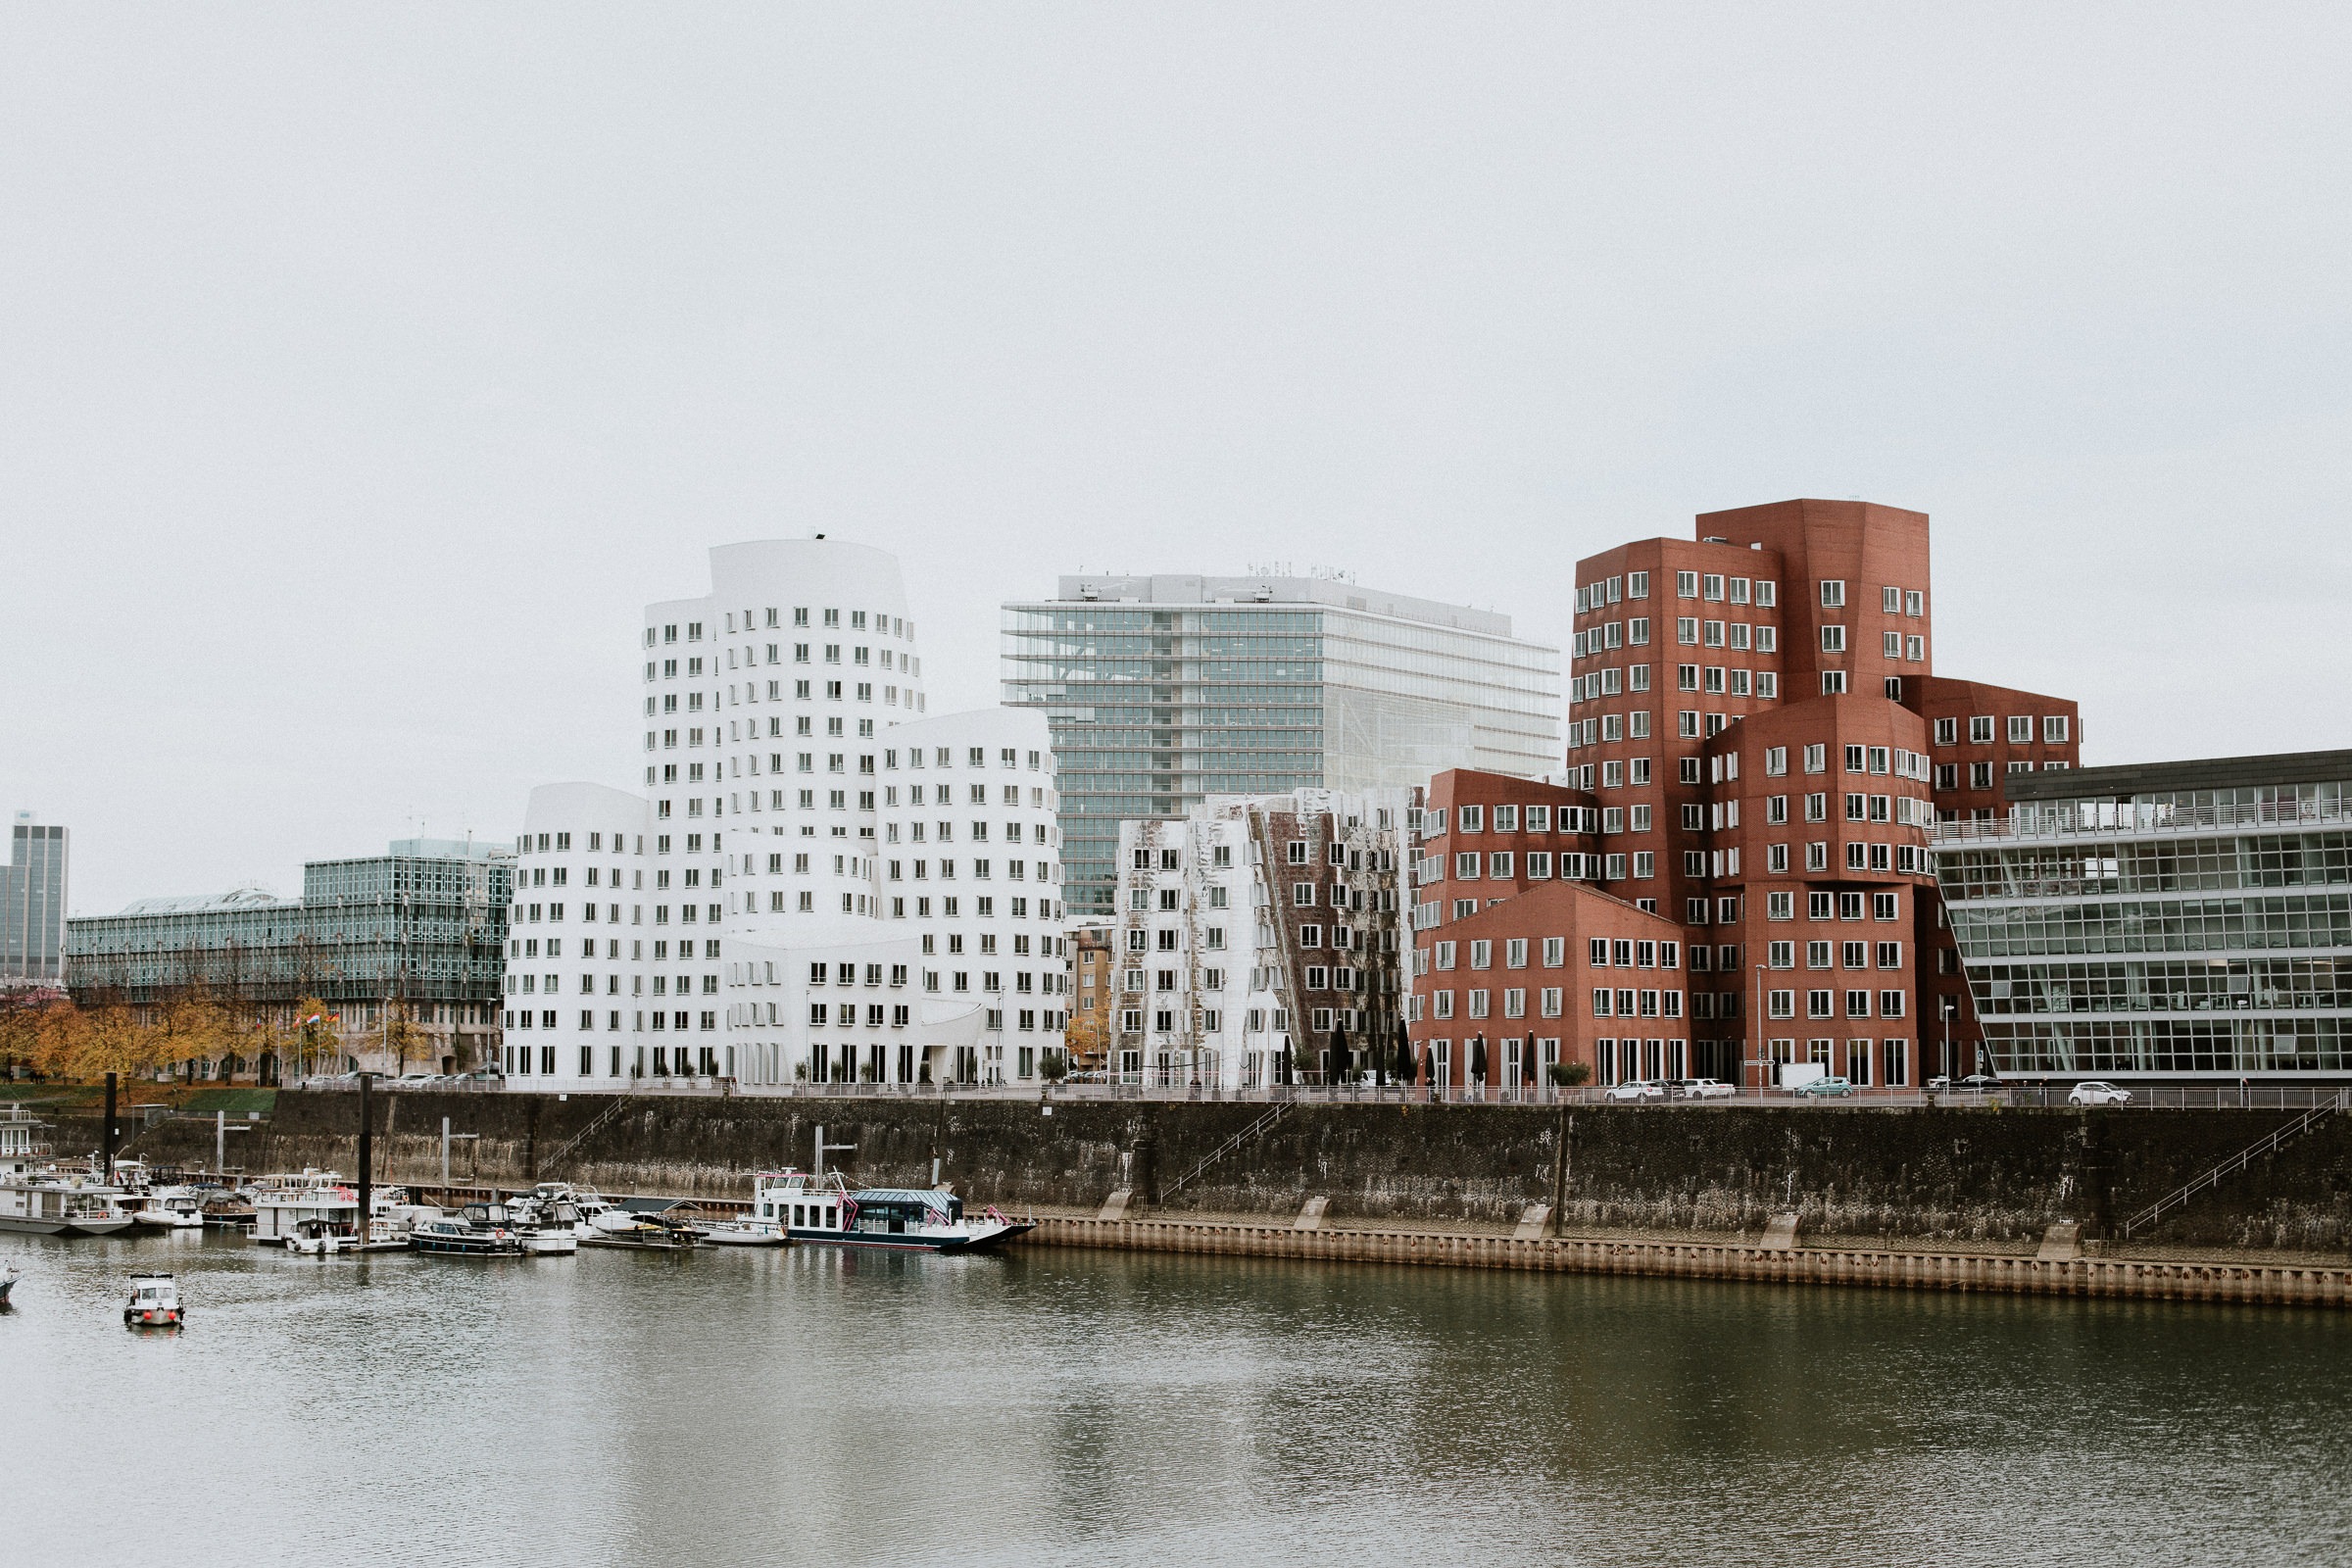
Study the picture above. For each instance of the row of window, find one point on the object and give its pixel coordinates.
(1824, 1004)
(1716, 587)
(2055, 729)
(883, 622)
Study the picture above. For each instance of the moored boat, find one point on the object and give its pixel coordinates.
(743, 1232)
(822, 1209)
(478, 1230)
(172, 1208)
(306, 1213)
(37, 1199)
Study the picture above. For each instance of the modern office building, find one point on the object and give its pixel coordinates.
(1254, 926)
(1756, 721)
(1163, 691)
(2164, 921)
(822, 881)
(32, 904)
(415, 936)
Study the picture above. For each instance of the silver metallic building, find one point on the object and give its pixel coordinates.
(2176, 919)
(1162, 691)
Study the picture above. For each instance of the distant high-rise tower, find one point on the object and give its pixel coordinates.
(1165, 689)
(32, 904)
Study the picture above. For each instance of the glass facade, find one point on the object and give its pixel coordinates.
(425, 924)
(1163, 691)
(32, 904)
(2182, 921)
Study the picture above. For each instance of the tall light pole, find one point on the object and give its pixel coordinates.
(1762, 1055)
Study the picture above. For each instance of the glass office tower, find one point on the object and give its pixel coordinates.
(2177, 920)
(32, 904)
(1163, 690)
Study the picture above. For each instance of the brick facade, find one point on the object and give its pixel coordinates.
(1757, 743)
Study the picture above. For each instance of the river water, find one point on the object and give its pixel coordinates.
(1048, 1406)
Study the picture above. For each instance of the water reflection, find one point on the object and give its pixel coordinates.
(753, 1406)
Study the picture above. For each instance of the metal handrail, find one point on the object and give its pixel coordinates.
(1247, 1134)
(2341, 1102)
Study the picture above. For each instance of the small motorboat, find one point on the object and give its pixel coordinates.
(173, 1208)
(315, 1238)
(656, 1233)
(480, 1230)
(743, 1232)
(154, 1302)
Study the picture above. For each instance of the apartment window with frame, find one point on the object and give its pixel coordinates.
(1915, 650)
(1685, 585)
(1980, 730)
(1832, 683)
(1891, 600)
(1686, 631)
(2020, 730)
(1779, 905)
(1947, 732)
(1555, 952)
(1833, 594)
(1979, 775)
(2054, 730)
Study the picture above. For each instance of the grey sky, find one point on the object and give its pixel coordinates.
(362, 371)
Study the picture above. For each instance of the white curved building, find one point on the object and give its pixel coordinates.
(833, 886)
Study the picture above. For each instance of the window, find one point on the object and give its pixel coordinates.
(1891, 600)
(1780, 955)
(1833, 594)
(1685, 585)
(1779, 905)
(1832, 683)
(1832, 639)
(2054, 730)
(1890, 644)
(2020, 730)
(1980, 730)
(1686, 631)
(1822, 1004)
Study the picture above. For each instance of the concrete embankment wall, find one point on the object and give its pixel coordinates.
(2267, 1285)
(1943, 1175)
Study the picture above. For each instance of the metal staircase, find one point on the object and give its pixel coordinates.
(1247, 1134)
(596, 1124)
(2277, 1139)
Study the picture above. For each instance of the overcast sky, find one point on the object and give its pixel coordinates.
(362, 371)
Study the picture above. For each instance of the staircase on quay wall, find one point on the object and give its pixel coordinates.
(2279, 1138)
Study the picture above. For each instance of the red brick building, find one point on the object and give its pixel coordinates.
(1519, 960)
(1758, 744)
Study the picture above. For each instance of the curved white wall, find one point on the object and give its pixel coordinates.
(794, 783)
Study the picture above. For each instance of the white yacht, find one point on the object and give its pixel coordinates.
(179, 1209)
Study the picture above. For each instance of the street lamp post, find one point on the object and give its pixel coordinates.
(1763, 1056)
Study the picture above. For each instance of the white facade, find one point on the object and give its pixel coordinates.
(834, 886)
(1221, 962)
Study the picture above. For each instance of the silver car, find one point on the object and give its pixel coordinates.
(1637, 1090)
(2092, 1092)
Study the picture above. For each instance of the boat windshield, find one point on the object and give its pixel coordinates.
(916, 1205)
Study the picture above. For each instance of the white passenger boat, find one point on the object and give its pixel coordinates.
(38, 1200)
(587, 1206)
(824, 1210)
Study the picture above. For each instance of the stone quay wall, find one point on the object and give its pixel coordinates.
(1939, 1176)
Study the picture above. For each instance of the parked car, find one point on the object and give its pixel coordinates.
(1938, 1083)
(2092, 1092)
(1820, 1087)
(1701, 1089)
(1636, 1089)
(1981, 1082)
